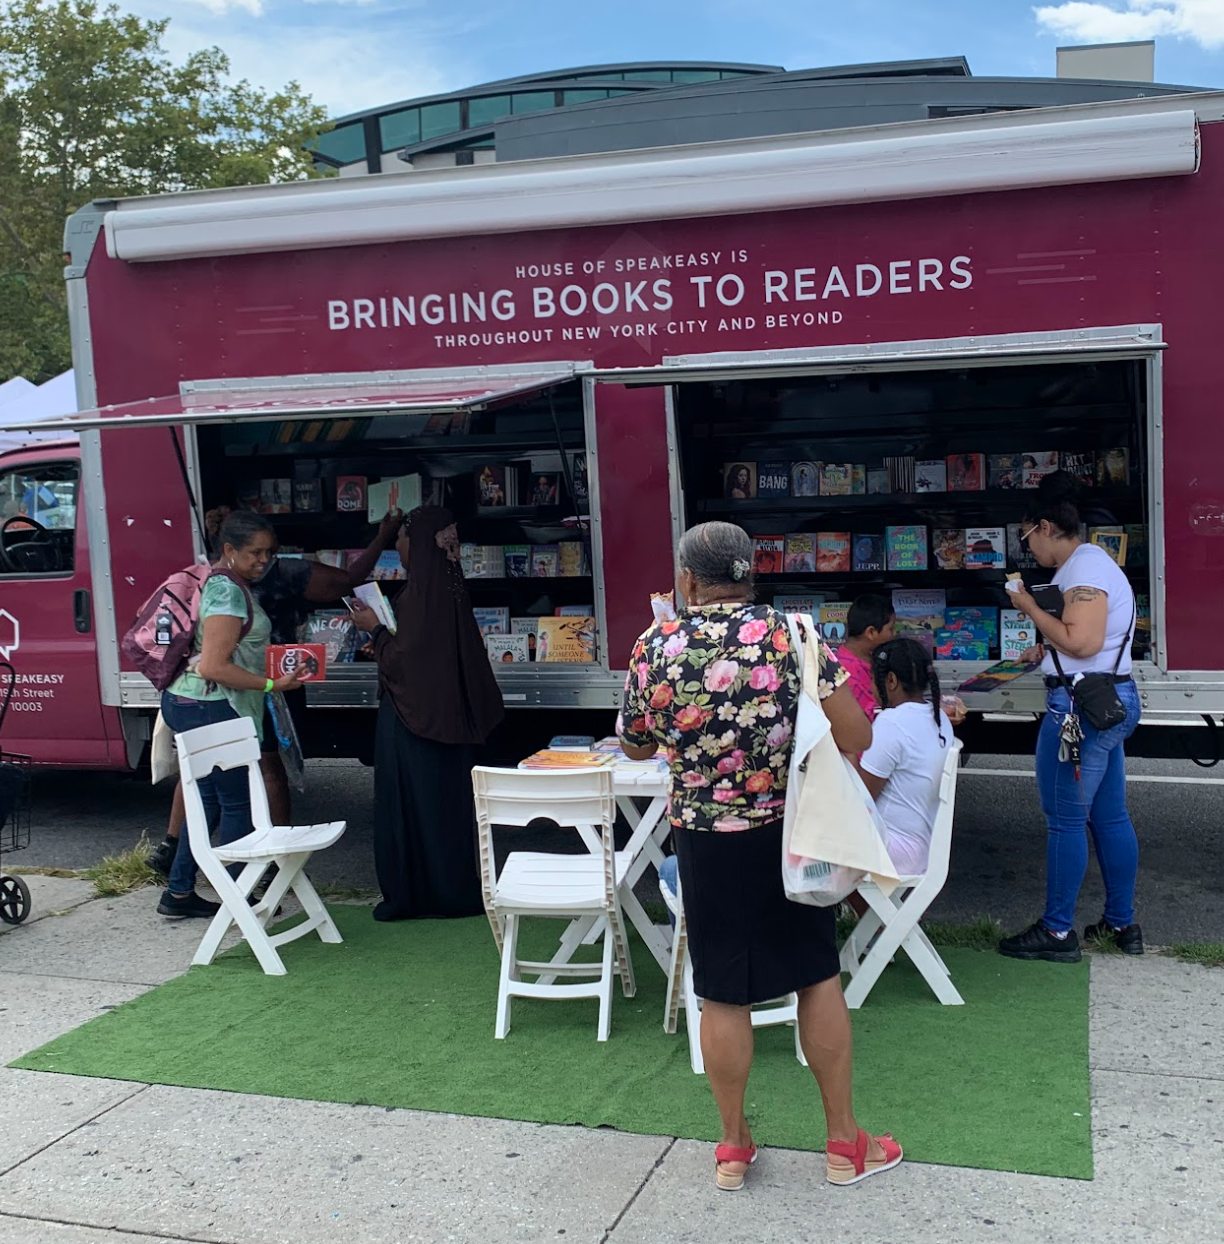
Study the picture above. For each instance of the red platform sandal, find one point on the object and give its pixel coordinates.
(857, 1153)
(732, 1181)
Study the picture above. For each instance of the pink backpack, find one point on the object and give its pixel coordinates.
(159, 643)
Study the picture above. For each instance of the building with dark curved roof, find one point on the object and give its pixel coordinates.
(652, 104)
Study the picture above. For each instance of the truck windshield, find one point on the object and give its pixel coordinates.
(38, 508)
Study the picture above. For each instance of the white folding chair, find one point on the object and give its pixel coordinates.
(573, 887)
(233, 745)
(680, 992)
(895, 917)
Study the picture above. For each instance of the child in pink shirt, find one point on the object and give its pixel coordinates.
(870, 623)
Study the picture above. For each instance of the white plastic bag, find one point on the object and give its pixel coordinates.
(163, 757)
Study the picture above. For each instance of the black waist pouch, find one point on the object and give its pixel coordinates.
(1096, 699)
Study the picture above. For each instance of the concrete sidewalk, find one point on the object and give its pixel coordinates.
(102, 1162)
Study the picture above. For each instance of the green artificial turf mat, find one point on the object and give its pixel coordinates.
(401, 1015)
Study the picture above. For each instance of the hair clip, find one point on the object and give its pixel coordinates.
(739, 568)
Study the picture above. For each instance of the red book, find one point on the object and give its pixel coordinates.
(305, 662)
(351, 494)
(966, 472)
(832, 551)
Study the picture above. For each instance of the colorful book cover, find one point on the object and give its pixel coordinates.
(960, 646)
(1113, 542)
(981, 620)
(858, 480)
(491, 493)
(931, 475)
(999, 675)
(799, 604)
(868, 553)
(1019, 556)
(837, 479)
(308, 496)
(388, 568)
(1016, 634)
(1081, 466)
(401, 493)
(276, 496)
(985, 548)
(493, 620)
(878, 482)
(1113, 467)
(562, 758)
(773, 479)
(805, 479)
(949, 546)
(1137, 545)
(966, 472)
(832, 552)
(906, 547)
(800, 555)
(571, 559)
(545, 488)
(350, 494)
(1037, 466)
(920, 613)
(1005, 470)
(528, 628)
(517, 558)
(768, 554)
(833, 621)
(545, 561)
(336, 631)
(739, 481)
(900, 475)
(1143, 625)
(569, 641)
(507, 649)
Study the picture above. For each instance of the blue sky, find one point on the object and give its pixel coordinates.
(353, 54)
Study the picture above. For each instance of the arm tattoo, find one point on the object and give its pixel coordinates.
(1081, 595)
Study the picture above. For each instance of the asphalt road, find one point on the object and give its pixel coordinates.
(998, 854)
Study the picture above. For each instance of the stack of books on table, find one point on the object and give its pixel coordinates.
(560, 759)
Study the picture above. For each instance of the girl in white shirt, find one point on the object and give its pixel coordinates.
(904, 764)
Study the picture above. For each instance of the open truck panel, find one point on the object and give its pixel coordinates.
(1030, 282)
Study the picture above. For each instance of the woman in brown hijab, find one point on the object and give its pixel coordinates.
(438, 700)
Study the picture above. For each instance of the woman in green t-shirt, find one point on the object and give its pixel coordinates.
(224, 679)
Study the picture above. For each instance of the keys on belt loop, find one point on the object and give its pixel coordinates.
(1070, 736)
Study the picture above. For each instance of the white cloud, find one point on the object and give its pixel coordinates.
(1200, 21)
(254, 7)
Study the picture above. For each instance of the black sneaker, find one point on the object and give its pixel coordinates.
(190, 906)
(162, 859)
(1037, 942)
(1128, 940)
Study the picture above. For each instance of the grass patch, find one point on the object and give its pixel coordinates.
(123, 873)
(1209, 954)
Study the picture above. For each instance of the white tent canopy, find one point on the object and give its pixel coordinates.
(23, 403)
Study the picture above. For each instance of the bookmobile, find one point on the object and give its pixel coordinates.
(863, 346)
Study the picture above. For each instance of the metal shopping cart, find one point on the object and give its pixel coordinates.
(16, 790)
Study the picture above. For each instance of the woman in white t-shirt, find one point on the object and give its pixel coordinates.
(904, 764)
(1093, 636)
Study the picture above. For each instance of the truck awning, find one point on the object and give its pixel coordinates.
(224, 402)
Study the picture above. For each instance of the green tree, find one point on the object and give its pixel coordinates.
(91, 107)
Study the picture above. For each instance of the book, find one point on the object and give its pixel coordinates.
(350, 494)
(582, 487)
(957, 645)
(517, 561)
(305, 662)
(402, 492)
(1137, 545)
(492, 620)
(467, 559)
(878, 484)
(545, 561)
(574, 611)
(799, 604)
(545, 489)
(966, 472)
(507, 649)
(920, 613)
(931, 475)
(336, 631)
(832, 552)
(1019, 556)
(900, 474)
(773, 479)
(1143, 625)
(388, 567)
(837, 479)
(999, 675)
(308, 496)
(800, 555)
(1113, 467)
(1082, 466)
(571, 559)
(1016, 634)
(276, 496)
(867, 553)
(1036, 466)
(768, 554)
(371, 595)
(491, 491)
(566, 641)
(1113, 542)
(331, 557)
(906, 547)
(485, 561)
(739, 481)
(580, 743)
(805, 479)
(1005, 470)
(985, 548)
(833, 618)
(249, 496)
(562, 758)
(948, 545)
(981, 620)
(528, 628)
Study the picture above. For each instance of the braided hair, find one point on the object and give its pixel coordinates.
(915, 671)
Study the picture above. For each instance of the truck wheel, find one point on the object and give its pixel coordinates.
(14, 900)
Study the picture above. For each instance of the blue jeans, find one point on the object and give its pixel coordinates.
(1096, 802)
(225, 793)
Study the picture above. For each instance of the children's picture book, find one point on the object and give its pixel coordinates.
(488, 561)
(985, 548)
(545, 561)
(517, 561)
(1113, 467)
(901, 475)
(867, 553)
(805, 479)
(739, 481)
(350, 494)
(563, 758)
(920, 613)
(858, 480)
(491, 491)
(998, 676)
(800, 553)
(1037, 466)
(906, 547)
(388, 567)
(877, 482)
(1136, 545)
(371, 595)
(773, 479)
(571, 559)
(401, 493)
(1005, 470)
(1113, 542)
(1017, 634)
(507, 649)
(768, 554)
(494, 620)
(931, 476)
(833, 621)
(966, 472)
(832, 552)
(1019, 557)
(276, 496)
(809, 604)
(1081, 466)
(545, 488)
(957, 645)
(981, 620)
(308, 496)
(528, 628)
(568, 641)
(837, 479)
(948, 544)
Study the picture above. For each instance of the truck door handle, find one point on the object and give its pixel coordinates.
(82, 614)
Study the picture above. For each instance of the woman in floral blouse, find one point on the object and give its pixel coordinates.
(717, 691)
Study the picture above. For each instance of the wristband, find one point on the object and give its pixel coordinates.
(269, 686)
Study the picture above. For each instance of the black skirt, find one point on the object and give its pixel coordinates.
(749, 943)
